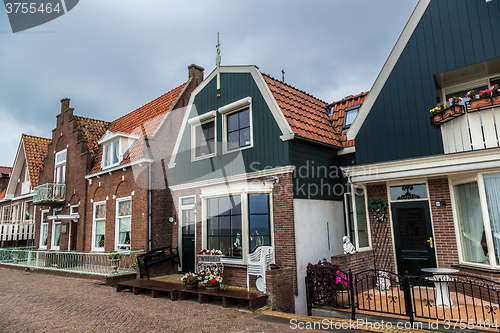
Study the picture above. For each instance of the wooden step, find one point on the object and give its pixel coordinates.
(179, 291)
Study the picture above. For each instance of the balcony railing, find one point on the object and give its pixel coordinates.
(23, 230)
(475, 130)
(49, 194)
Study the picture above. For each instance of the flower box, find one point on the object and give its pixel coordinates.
(209, 258)
(447, 115)
(475, 104)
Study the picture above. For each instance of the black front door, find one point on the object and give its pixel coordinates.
(188, 248)
(413, 237)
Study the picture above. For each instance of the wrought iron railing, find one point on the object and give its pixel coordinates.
(49, 193)
(72, 262)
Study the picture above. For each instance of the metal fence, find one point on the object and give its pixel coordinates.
(71, 262)
(455, 300)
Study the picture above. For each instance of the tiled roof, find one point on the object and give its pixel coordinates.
(142, 121)
(2, 194)
(305, 113)
(36, 149)
(4, 169)
(339, 113)
(92, 130)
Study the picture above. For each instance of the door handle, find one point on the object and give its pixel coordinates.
(430, 242)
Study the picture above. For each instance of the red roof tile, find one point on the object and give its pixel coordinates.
(92, 130)
(4, 169)
(305, 113)
(2, 194)
(36, 149)
(339, 113)
(142, 121)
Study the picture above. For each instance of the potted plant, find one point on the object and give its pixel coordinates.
(212, 279)
(114, 259)
(486, 97)
(444, 112)
(377, 206)
(190, 280)
(342, 287)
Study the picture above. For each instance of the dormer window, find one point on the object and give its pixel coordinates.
(350, 115)
(111, 154)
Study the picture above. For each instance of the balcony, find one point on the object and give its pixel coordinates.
(475, 129)
(49, 194)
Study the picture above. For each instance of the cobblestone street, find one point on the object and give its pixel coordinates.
(35, 302)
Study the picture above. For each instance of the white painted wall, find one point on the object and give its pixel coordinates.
(319, 228)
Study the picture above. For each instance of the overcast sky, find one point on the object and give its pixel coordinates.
(113, 56)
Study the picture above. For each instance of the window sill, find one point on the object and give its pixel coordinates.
(477, 268)
(235, 150)
(204, 157)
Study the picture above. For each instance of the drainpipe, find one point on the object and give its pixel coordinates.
(149, 208)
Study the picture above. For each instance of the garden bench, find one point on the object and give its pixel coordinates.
(153, 257)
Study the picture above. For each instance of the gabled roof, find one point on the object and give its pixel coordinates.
(338, 114)
(142, 122)
(92, 130)
(36, 149)
(306, 114)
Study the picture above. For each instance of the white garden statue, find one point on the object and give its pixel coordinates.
(348, 247)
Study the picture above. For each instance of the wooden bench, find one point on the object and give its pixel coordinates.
(178, 291)
(144, 261)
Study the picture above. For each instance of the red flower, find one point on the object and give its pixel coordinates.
(213, 281)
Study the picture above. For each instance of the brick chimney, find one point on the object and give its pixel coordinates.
(64, 104)
(196, 72)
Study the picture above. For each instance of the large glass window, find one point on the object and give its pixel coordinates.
(478, 212)
(123, 223)
(99, 226)
(259, 220)
(238, 129)
(224, 225)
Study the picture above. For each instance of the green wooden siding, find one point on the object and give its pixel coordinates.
(269, 150)
(451, 34)
(317, 174)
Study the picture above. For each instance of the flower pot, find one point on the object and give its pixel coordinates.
(212, 288)
(447, 115)
(342, 298)
(191, 286)
(479, 103)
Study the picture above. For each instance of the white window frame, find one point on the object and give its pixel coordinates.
(93, 246)
(25, 210)
(118, 246)
(240, 105)
(355, 218)
(110, 146)
(57, 164)
(6, 214)
(72, 208)
(471, 178)
(52, 236)
(245, 223)
(42, 224)
(195, 123)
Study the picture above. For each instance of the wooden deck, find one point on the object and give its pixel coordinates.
(178, 291)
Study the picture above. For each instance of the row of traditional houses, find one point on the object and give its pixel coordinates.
(239, 159)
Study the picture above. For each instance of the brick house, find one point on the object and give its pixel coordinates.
(255, 164)
(61, 196)
(17, 212)
(129, 203)
(440, 180)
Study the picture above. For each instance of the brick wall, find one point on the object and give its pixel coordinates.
(278, 282)
(357, 262)
(381, 230)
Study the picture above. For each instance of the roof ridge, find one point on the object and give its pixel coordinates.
(290, 86)
(34, 136)
(88, 118)
(126, 114)
(347, 98)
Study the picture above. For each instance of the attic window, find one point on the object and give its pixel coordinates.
(350, 114)
(111, 154)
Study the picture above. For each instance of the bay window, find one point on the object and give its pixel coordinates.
(123, 223)
(477, 211)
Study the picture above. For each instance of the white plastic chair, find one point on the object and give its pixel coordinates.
(259, 262)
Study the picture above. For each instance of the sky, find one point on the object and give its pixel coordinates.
(113, 56)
